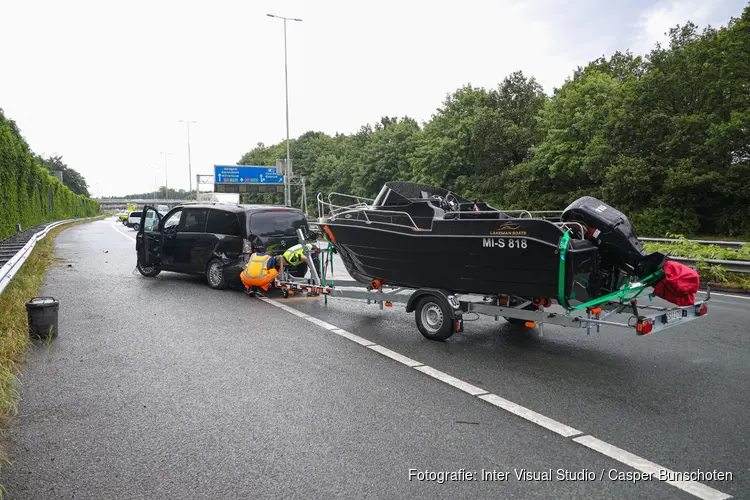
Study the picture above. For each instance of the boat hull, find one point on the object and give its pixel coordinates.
(512, 257)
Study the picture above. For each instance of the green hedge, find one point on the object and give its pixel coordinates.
(29, 195)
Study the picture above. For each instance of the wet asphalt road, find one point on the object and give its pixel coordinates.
(164, 388)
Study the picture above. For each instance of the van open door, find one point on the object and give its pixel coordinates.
(148, 240)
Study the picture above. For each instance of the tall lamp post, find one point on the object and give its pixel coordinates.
(156, 186)
(287, 194)
(166, 179)
(190, 168)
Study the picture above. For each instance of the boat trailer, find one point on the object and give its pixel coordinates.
(440, 313)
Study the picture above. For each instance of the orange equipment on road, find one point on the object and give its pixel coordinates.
(259, 271)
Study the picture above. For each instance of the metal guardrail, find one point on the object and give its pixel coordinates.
(722, 244)
(731, 266)
(10, 268)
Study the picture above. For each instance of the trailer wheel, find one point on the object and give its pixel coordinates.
(433, 318)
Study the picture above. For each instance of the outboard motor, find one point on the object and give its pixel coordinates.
(611, 231)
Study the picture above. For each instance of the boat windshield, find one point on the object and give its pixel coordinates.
(387, 196)
(401, 193)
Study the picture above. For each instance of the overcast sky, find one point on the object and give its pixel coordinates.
(104, 83)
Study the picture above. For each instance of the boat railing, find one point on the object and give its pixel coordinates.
(399, 213)
(330, 209)
(359, 199)
(567, 227)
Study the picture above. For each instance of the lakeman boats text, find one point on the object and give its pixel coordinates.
(567, 475)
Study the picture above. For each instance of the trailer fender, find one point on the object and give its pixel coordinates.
(448, 299)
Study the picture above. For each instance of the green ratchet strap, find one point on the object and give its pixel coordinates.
(623, 294)
(561, 274)
(626, 294)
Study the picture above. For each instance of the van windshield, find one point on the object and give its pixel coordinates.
(277, 223)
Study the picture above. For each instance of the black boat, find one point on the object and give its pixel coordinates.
(419, 236)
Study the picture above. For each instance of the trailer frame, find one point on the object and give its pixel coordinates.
(644, 318)
(433, 307)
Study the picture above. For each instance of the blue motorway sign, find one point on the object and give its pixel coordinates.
(246, 174)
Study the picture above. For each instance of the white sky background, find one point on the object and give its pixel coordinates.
(104, 84)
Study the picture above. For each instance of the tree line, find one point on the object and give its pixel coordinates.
(160, 193)
(664, 137)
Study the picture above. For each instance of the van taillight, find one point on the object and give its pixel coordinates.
(247, 247)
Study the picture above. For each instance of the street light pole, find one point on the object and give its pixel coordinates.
(156, 187)
(190, 168)
(287, 193)
(166, 178)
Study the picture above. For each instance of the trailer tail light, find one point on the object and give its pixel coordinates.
(596, 310)
(644, 327)
(702, 310)
(529, 324)
(388, 304)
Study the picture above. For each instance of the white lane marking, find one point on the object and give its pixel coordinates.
(395, 356)
(283, 307)
(726, 295)
(296, 312)
(453, 381)
(531, 415)
(274, 303)
(693, 487)
(120, 232)
(321, 323)
(352, 337)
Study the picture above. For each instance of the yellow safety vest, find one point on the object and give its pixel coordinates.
(294, 254)
(257, 267)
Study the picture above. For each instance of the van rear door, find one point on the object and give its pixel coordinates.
(275, 229)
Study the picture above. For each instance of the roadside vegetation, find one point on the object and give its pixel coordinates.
(715, 273)
(14, 334)
(662, 137)
(29, 193)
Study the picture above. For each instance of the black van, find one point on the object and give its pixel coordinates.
(216, 239)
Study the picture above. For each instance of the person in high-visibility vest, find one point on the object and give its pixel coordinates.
(259, 272)
(295, 255)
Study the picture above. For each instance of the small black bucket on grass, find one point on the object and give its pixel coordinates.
(42, 313)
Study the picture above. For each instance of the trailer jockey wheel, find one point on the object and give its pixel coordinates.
(433, 318)
(285, 293)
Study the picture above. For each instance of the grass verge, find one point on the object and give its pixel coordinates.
(14, 329)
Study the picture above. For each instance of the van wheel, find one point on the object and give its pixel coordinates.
(433, 318)
(148, 271)
(215, 275)
(136, 226)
